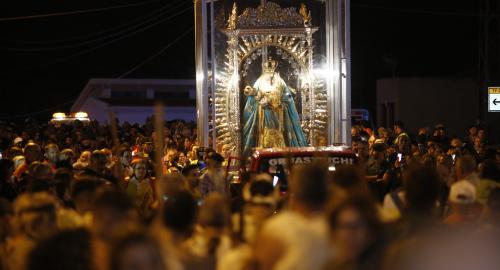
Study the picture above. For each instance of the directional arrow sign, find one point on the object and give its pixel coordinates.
(494, 99)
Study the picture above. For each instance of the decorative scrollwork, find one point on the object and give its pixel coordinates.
(270, 15)
(248, 36)
(295, 46)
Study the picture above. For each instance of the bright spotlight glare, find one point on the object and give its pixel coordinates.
(81, 115)
(59, 116)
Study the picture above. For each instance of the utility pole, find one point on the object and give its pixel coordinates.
(488, 61)
(483, 51)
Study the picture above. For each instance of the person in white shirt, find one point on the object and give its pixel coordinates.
(297, 238)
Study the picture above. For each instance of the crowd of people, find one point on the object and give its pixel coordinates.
(90, 196)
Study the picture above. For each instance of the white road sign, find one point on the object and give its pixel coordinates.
(494, 99)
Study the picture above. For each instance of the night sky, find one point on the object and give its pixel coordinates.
(45, 62)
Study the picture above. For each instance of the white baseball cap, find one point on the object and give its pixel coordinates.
(462, 192)
(18, 140)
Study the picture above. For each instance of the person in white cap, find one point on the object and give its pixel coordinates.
(17, 142)
(463, 207)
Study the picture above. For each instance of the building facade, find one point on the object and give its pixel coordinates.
(133, 100)
(425, 102)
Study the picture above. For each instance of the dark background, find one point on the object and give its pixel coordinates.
(46, 62)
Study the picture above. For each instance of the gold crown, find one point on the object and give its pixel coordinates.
(270, 65)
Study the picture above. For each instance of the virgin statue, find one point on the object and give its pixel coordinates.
(270, 118)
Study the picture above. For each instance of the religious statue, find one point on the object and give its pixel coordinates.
(270, 118)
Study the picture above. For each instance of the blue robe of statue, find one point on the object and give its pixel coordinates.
(270, 118)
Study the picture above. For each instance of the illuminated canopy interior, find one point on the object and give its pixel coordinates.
(234, 40)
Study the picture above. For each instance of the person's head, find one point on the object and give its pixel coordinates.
(349, 179)
(440, 130)
(354, 226)
(62, 181)
(187, 143)
(114, 214)
(215, 214)
(32, 153)
(148, 147)
(35, 215)
(125, 156)
(140, 169)
(83, 194)
(41, 171)
(136, 251)
(260, 199)
(171, 155)
(421, 185)
(194, 152)
(67, 155)
(465, 166)
(191, 174)
(17, 142)
(68, 141)
(108, 153)
(456, 142)
(378, 150)
(399, 127)
(52, 153)
(360, 148)
(69, 249)
(214, 161)
(478, 142)
(85, 157)
(98, 161)
(383, 134)
(355, 130)
(226, 151)
(179, 211)
(473, 131)
(462, 196)
(182, 159)
(307, 194)
(481, 133)
(441, 159)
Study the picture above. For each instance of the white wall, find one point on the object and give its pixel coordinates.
(96, 109)
(139, 114)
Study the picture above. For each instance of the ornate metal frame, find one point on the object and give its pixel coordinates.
(326, 108)
(249, 36)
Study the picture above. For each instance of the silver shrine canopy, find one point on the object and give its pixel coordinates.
(306, 44)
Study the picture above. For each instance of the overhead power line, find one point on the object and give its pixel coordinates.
(416, 11)
(122, 37)
(104, 44)
(147, 60)
(99, 39)
(50, 109)
(74, 12)
(171, 4)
